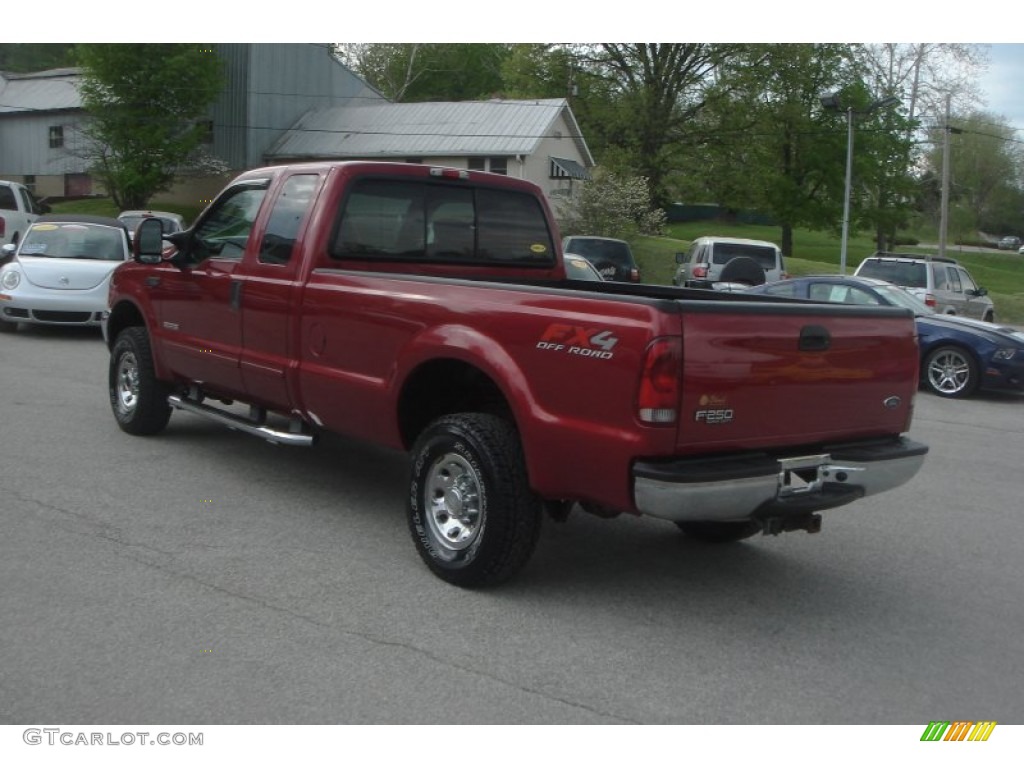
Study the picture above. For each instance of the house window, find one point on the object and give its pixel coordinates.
(56, 136)
(492, 164)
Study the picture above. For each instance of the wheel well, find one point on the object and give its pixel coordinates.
(962, 348)
(441, 387)
(124, 315)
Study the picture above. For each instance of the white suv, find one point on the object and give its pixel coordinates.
(701, 266)
(941, 283)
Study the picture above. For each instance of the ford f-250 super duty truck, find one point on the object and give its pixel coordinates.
(427, 309)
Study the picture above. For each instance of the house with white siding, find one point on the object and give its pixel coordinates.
(285, 102)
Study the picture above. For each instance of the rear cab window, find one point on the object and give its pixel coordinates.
(403, 221)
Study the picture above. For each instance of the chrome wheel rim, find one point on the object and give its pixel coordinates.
(455, 510)
(127, 382)
(949, 372)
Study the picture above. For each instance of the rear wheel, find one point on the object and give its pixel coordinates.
(951, 372)
(471, 512)
(720, 533)
(137, 397)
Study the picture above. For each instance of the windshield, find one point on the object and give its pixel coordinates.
(901, 298)
(74, 241)
(726, 252)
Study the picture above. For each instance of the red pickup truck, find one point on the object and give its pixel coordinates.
(427, 309)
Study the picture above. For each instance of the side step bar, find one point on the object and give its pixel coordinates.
(256, 425)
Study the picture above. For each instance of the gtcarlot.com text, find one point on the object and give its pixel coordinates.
(58, 736)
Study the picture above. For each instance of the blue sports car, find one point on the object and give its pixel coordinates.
(958, 355)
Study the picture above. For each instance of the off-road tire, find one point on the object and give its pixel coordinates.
(471, 512)
(137, 397)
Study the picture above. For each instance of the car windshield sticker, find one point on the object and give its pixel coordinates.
(44, 227)
(539, 248)
(29, 248)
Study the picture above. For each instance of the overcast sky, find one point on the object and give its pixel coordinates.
(1003, 84)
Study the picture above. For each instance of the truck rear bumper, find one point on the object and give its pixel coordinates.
(761, 486)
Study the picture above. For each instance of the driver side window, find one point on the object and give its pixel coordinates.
(224, 232)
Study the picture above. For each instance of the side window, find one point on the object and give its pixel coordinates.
(7, 199)
(688, 258)
(940, 279)
(954, 280)
(286, 218)
(968, 283)
(224, 232)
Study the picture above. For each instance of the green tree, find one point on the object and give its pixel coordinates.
(986, 173)
(35, 57)
(408, 72)
(656, 94)
(144, 101)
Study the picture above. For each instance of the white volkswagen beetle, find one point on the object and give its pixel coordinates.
(59, 274)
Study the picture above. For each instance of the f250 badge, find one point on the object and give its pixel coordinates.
(576, 340)
(707, 415)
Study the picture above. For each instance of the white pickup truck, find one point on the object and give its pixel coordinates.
(18, 209)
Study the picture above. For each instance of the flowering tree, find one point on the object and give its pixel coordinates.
(613, 205)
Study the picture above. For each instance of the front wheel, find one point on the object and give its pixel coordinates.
(950, 372)
(720, 533)
(471, 512)
(137, 397)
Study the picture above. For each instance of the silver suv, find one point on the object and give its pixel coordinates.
(701, 266)
(941, 283)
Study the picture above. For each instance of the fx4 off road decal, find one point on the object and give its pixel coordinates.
(576, 340)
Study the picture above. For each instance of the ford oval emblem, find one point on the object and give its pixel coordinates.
(892, 402)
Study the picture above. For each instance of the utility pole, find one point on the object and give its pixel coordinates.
(944, 205)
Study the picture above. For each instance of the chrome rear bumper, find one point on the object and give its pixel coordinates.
(759, 486)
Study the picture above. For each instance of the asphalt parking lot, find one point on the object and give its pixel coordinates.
(204, 576)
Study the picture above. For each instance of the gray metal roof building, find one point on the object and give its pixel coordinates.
(431, 129)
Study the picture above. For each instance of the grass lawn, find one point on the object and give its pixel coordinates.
(1001, 272)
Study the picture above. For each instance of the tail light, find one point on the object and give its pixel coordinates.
(634, 275)
(700, 272)
(929, 299)
(658, 394)
(785, 276)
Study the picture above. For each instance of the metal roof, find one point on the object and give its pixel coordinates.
(461, 128)
(55, 89)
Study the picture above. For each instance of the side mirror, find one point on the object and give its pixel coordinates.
(8, 250)
(981, 291)
(148, 242)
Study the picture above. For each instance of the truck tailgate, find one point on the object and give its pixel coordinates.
(758, 375)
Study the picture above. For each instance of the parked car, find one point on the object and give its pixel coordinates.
(170, 222)
(60, 272)
(1009, 242)
(18, 209)
(578, 268)
(702, 264)
(612, 258)
(941, 283)
(958, 355)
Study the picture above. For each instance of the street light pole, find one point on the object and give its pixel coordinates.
(832, 102)
(846, 193)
